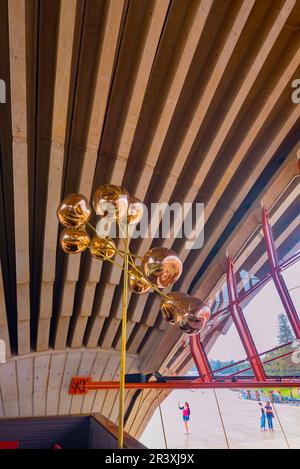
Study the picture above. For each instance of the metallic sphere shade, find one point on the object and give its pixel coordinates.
(102, 248)
(74, 210)
(168, 306)
(185, 311)
(161, 266)
(111, 201)
(74, 241)
(138, 285)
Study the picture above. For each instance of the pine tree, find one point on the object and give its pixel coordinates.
(285, 333)
(282, 366)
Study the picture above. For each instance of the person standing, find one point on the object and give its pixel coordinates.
(269, 414)
(262, 417)
(186, 415)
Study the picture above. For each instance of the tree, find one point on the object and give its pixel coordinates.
(285, 333)
(284, 365)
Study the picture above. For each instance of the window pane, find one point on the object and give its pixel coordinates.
(285, 221)
(270, 327)
(251, 265)
(227, 350)
(284, 366)
(215, 322)
(291, 277)
(267, 320)
(219, 296)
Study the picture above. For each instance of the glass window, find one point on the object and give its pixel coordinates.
(226, 351)
(282, 366)
(251, 265)
(219, 297)
(284, 218)
(270, 328)
(215, 322)
(291, 277)
(266, 319)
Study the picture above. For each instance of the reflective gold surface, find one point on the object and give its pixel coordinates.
(74, 241)
(168, 306)
(161, 266)
(111, 201)
(138, 285)
(101, 248)
(74, 210)
(135, 211)
(185, 311)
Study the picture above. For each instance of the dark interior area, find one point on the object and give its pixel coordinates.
(63, 432)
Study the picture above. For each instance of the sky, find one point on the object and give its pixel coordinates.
(261, 315)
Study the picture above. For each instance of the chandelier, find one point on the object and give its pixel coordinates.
(159, 268)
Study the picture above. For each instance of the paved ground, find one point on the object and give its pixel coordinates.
(241, 420)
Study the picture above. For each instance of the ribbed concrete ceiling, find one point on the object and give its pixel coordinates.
(176, 100)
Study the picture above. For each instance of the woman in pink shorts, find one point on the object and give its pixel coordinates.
(186, 412)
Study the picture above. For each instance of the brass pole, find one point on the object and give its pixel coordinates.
(123, 344)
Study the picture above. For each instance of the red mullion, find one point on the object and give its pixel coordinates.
(194, 384)
(200, 359)
(241, 325)
(277, 276)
